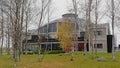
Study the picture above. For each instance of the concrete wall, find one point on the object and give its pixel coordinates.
(102, 39)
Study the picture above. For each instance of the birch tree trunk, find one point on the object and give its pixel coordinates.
(113, 20)
(96, 22)
(43, 7)
(47, 33)
(86, 32)
(89, 27)
(2, 33)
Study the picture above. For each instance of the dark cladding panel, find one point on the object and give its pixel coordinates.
(109, 43)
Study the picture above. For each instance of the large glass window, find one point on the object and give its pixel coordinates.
(52, 27)
(43, 29)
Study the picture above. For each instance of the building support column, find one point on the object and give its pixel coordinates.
(51, 46)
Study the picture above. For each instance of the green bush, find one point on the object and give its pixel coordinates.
(55, 52)
(47, 52)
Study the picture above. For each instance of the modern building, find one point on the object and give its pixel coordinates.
(99, 40)
(49, 37)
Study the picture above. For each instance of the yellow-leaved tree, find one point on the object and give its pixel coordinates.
(65, 35)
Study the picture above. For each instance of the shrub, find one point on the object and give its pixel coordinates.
(55, 52)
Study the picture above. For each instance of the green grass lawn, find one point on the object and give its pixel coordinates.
(57, 61)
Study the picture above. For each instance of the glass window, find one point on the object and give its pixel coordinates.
(98, 33)
(52, 27)
(43, 29)
(82, 34)
(98, 45)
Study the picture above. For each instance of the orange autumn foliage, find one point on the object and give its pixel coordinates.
(65, 34)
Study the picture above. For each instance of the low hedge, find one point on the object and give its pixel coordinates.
(55, 52)
(47, 52)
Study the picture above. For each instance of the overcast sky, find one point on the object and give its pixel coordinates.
(60, 7)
